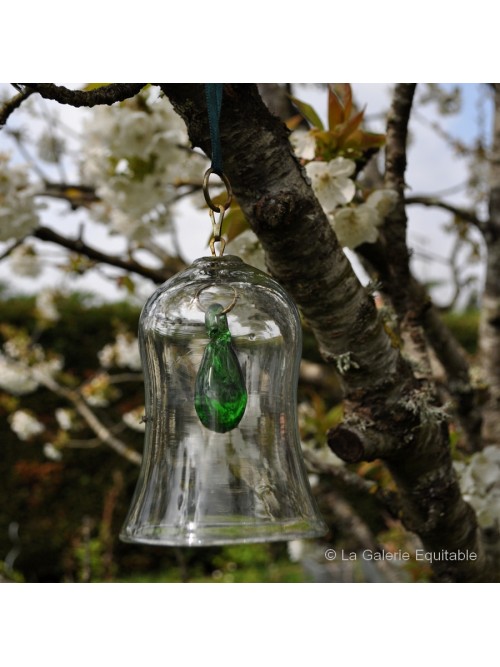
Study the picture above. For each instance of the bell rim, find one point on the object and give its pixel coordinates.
(213, 535)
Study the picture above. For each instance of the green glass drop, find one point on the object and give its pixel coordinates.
(220, 395)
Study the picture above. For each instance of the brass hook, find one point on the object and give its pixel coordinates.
(206, 194)
(217, 232)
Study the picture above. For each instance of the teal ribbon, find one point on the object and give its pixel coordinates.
(213, 94)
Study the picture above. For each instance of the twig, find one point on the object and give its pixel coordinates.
(114, 92)
(462, 213)
(11, 248)
(78, 246)
(315, 463)
(352, 481)
(102, 432)
(26, 155)
(12, 104)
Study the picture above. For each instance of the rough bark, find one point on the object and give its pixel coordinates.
(395, 412)
(277, 99)
(489, 329)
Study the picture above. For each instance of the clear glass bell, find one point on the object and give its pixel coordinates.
(223, 467)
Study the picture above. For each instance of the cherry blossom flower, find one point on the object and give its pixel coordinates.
(25, 425)
(25, 261)
(331, 183)
(354, 226)
(52, 452)
(124, 353)
(18, 209)
(134, 155)
(45, 305)
(133, 419)
(480, 483)
(304, 144)
(383, 201)
(16, 377)
(97, 392)
(64, 418)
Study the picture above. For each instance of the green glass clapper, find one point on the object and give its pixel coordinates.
(220, 395)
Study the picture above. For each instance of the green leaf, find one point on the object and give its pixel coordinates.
(308, 112)
(92, 86)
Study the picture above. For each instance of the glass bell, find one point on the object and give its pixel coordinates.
(220, 346)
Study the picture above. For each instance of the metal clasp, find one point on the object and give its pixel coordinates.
(217, 232)
(217, 208)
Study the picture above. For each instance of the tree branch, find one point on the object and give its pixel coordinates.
(394, 231)
(303, 253)
(114, 92)
(103, 433)
(12, 104)
(79, 246)
(462, 213)
(489, 326)
(452, 356)
(454, 360)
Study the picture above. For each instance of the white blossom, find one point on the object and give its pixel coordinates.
(18, 210)
(133, 155)
(304, 144)
(331, 183)
(96, 392)
(313, 480)
(46, 369)
(25, 366)
(64, 418)
(295, 550)
(124, 353)
(133, 419)
(15, 377)
(354, 226)
(480, 483)
(45, 305)
(24, 261)
(247, 246)
(383, 201)
(51, 452)
(24, 425)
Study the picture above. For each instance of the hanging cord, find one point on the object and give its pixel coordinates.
(213, 94)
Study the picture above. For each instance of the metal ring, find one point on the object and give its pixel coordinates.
(227, 185)
(226, 309)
